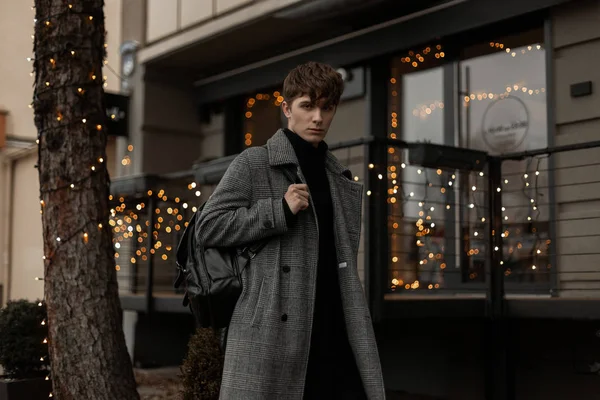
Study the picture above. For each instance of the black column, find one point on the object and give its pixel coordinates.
(452, 277)
(152, 204)
(234, 125)
(376, 207)
(500, 378)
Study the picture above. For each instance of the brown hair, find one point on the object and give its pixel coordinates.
(316, 80)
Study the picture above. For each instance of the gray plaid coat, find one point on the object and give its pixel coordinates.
(269, 335)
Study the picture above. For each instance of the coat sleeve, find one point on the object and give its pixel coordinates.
(231, 217)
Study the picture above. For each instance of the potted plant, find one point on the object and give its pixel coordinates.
(202, 367)
(24, 351)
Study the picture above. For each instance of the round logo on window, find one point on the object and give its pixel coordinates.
(505, 124)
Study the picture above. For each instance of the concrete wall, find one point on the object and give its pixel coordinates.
(172, 18)
(16, 22)
(171, 129)
(576, 42)
(213, 138)
(4, 234)
(26, 235)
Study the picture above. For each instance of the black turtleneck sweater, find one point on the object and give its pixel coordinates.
(332, 371)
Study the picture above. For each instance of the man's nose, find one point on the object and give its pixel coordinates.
(317, 115)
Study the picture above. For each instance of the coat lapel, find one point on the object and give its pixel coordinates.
(345, 193)
(346, 196)
(281, 151)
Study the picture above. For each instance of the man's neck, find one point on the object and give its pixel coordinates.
(315, 145)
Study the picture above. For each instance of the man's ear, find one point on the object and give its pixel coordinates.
(287, 111)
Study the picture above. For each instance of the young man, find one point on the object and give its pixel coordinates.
(301, 328)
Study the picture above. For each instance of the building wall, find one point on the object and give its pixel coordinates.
(15, 83)
(213, 138)
(171, 129)
(4, 212)
(26, 234)
(169, 18)
(16, 22)
(25, 250)
(576, 43)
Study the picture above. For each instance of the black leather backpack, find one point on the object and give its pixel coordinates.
(211, 277)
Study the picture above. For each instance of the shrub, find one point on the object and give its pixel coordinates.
(202, 367)
(22, 339)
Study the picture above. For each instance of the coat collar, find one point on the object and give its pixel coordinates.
(281, 152)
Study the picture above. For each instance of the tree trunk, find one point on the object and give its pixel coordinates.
(89, 359)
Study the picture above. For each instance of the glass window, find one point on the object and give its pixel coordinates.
(262, 117)
(437, 219)
(504, 96)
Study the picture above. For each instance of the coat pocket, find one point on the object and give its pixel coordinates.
(257, 302)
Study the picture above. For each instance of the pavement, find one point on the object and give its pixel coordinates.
(164, 384)
(158, 383)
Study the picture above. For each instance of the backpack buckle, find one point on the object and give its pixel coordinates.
(247, 250)
(180, 276)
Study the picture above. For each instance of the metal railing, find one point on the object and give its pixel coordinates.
(437, 219)
(551, 206)
(148, 217)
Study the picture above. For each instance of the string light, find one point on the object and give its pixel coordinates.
(131, 231)
(424, 111)
(417, 58)
(527, 258)
(275, 99)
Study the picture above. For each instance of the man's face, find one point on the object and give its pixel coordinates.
(309, 120)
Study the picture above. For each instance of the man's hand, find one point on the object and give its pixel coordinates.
(297, 198)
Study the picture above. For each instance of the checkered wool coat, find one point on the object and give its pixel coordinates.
(269, 335)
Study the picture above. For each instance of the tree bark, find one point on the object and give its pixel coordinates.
(89, 359)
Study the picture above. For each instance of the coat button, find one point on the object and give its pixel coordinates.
(284, 317)
(286, 268)
(267, 224)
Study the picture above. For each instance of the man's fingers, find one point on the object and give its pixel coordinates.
(302, 194)
(299, 190)
(299, 186)
(299, 194)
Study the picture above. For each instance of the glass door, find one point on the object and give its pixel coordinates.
(420, 237)
(503, 110)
